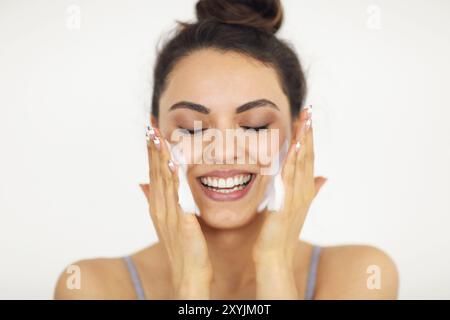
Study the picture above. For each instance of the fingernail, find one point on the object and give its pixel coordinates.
(308, 124)
(298, 146)
(309, 111)
(149, 133)
(157, 143)
(171, 165)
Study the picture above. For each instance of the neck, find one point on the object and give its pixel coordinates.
(230, 252)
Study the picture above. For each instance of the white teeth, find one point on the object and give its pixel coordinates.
(222, 183)
(231, 182)
(227, 190)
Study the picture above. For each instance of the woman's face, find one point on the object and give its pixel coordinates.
(215, 89)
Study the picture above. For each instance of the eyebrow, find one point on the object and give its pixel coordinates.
(245, 107)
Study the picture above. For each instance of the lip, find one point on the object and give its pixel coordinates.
(232, 196)
(225, 173)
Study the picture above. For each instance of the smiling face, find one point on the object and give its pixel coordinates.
(225, 91)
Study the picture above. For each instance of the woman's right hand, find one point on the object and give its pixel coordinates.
(179, 232)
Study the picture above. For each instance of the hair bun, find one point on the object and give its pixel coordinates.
(261, 14)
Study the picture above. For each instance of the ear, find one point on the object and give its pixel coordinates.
(145, 187)
(318, 184)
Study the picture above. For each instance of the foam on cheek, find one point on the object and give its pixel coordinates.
(273, 198)
(185, 196)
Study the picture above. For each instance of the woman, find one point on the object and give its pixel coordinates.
(227, 71)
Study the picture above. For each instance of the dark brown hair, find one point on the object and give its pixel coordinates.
(247, 27)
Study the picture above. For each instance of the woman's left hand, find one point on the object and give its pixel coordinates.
(275, 248)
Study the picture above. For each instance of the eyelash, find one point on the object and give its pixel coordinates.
(192, 132)
(256, 128)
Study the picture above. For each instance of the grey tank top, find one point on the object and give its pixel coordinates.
(310, 285)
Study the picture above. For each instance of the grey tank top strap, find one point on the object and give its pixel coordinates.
(312, 274)
(310, 285)
(135, 278)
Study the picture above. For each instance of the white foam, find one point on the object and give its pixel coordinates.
(273, 198)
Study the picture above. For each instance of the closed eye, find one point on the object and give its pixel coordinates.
(256, 128)
(191, 131)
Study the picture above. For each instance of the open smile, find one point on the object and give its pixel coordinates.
(226, 185)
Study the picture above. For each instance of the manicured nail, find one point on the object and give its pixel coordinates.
(171, 165)
(157, 143)
(308, 124)
(149, 133)
(309, 111)
(298, 146)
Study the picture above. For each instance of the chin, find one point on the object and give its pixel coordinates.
(222, 218)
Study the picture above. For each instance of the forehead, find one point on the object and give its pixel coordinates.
(217, 79)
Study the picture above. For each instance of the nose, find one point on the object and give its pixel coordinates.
(223, 147)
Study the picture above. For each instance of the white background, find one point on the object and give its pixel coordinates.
(73, 104)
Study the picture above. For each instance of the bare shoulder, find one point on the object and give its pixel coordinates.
(356, 272)
(101, 278)
(109, 278)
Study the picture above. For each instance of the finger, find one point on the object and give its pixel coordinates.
(318, 184)
(169, 176)
(190, 227)
(305, 162)
(289, 162)
(146, 190)
(298, 187)
(173, 208)
(156, 193)
(309, 156)
(301, 136)
(176, 185)
(287, 175)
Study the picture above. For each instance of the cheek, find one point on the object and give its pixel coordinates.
(188, 148)
(254, 148)
(268, 146)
